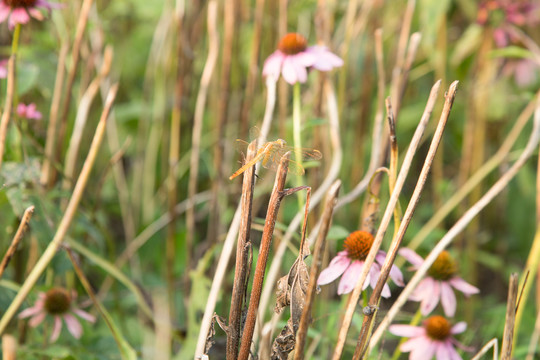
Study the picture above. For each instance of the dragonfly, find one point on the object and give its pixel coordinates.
(271, 152)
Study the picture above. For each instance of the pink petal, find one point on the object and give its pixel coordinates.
(304, 59)
(349, 278)
(373, 275)
(413, 343)
(442, 351)
(424, 351)
(325, 59)
(4, 12)
(334, 270)
(73, 325)
(407, 330)
(56, 329)
(380, 257)
(448, 299)
(84, 315)
(424, 289)
(411, 257)
(385, 293)
(463, 286)
(272, 65)
(288, 71)
(453, 353)
(36, 14)
(37, 319)
(430, 301)
(459, 328)
(19, 15)
(396, 276)
(30, 311)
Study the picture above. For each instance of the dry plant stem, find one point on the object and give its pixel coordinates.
(6, 115)
(17, 239)
(258, 277)
(316, 265)
(355, 296)
(458, 227)
(213, 50)
(511, 306)
(9, 347)
(69, 214)
(493, 343)
(535, 337)
(75, 54)
(375, 297)
(474, 180)
(53, 116)
(393, 159)
(332, 175)
(243, 249)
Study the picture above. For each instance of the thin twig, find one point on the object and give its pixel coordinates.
(69, 214)
(355, 296)
(508, 336)
(493, 343)
(6, 115)
(17, 239)
(243, 249)
(367, 324)
(458, 227)
(316, 264)
(260, 269)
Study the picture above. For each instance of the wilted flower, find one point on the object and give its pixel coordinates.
(20, 11)
(350, 263)
(28, 111)
(442, 277)
(293, 57)
(58, 303)
(433, 339)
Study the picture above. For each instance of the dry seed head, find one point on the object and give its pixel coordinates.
(57, 301)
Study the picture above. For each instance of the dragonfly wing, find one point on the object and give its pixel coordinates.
(272, 163)
(241, 146)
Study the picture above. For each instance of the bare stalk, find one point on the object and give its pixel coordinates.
(69, 214)
(243, 249)
(355, 296)
(17, 239)
(316, 265)
(458, 227)
(511, 307)
(6, 115)
(369, 317)
(493, 343)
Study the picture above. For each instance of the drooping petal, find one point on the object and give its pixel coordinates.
(36, 14)
(385, 293)
(4, 11)
(448, 299)
(459, 328)
(30, 311)
(374, 273)
(425, 350)
(453, 352)
(56, 329)
(407, 330)
(73, 325)
(289, 71)
(442, 351)
(272, 65)
(412, 343)
(397, 276)
(430, 301)
(37, 319)
(349, 278)
(411, 257)
(19, 16)
(463, 286)
(424, 286)
(305, 59)
(325, 59)
(334, 270)
(84, 315)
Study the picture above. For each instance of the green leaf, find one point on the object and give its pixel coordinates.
(337, 232)
(511, 52)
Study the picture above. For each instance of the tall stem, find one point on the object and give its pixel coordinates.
(297, 129)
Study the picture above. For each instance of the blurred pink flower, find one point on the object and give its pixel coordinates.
(28, 111)
(293, 57)
(58, 303)
(442, 277)
(20, 11)
(350, 263)
(3, 68)
(433, 339)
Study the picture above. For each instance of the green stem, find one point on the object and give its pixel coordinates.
(415, 320)
(297, 129)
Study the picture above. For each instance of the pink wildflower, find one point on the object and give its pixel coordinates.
(442, 277)
(58, 303)
(20, 11)
(28, 111)
(293, 57)
(433, 339)
(350, 263)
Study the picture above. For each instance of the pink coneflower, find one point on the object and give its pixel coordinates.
(433, 339)
(293, 57)
(442, 277)
(20, 11)
(350, 263)
(28, 111)
(58, 303)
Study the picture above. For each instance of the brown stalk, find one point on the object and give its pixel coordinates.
(458, 227)
(17, 239)
(369, 317)
(511, 307)
(6, 115)
(243, 249)
(385, 221)
(9, 347)
(258, 277)
(75, 55)
(316, 264)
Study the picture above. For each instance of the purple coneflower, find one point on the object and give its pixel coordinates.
(350, 263)
(20, 11)
(58, 303)
(293, 57)
(433, 339)
(28, 111)
(442, 277)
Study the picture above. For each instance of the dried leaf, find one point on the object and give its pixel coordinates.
(283, 298)
(284, 343)
(298, 292)
(212, 331)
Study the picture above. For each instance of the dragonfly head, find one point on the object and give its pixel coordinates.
(281, 142)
